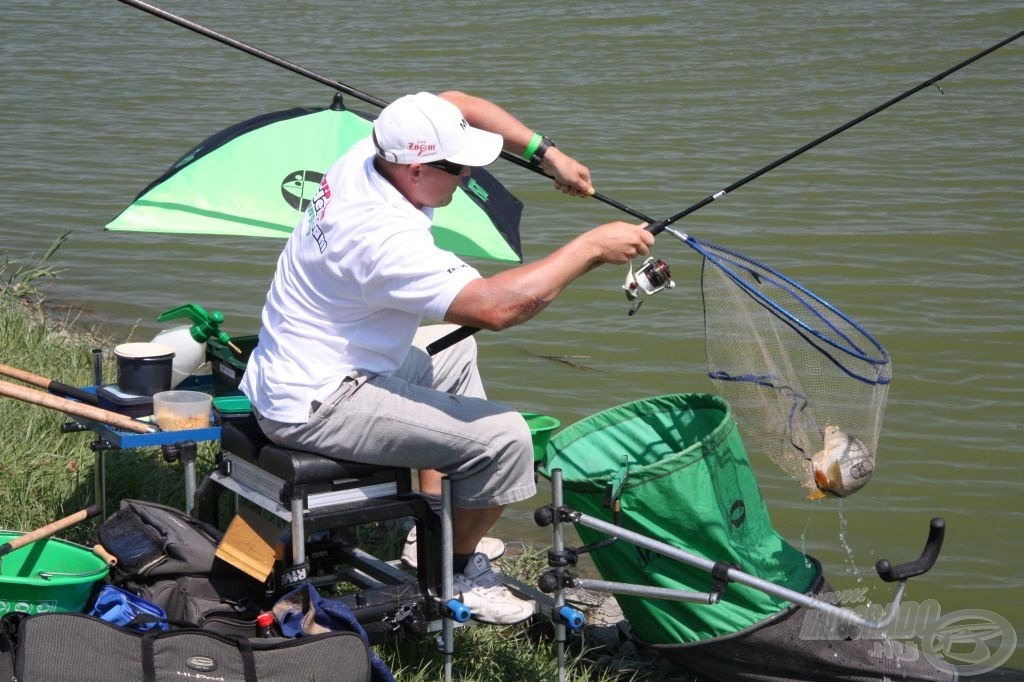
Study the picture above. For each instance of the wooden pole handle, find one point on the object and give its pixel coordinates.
(102, 553)
(51, 385)
(49, 529)
(23, 375)
(73, 408)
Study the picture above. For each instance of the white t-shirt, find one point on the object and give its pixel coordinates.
(354, 282)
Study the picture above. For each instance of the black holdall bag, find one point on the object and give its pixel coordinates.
(153, 541)
(168, 558)
(73, 647)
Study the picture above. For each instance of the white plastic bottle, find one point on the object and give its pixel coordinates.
(189, 341)
(189, 354)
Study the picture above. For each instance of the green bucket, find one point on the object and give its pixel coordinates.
(48, 576)
(541, 428)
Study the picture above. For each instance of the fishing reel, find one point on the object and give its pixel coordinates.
(650, 278)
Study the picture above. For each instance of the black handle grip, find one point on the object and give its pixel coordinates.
(75, 393)
(450, 339)
(657, 227)
(923, 564)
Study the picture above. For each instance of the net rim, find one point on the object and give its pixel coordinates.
(707, 250)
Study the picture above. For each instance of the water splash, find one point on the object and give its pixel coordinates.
(803, 536)
(850, 561)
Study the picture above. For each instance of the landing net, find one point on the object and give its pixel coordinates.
(788, 362)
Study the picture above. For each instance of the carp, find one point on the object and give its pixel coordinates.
(842, 467)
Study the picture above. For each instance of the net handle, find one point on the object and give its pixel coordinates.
(923, 564)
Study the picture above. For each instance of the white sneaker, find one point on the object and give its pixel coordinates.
(491, 547)
(488, 600)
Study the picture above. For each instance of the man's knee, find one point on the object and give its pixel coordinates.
(518, 441)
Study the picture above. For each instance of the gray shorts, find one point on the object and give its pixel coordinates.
(431, 414)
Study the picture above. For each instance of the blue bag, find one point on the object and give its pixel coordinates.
(121, 607)
(303, 612)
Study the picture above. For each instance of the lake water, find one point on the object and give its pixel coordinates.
(911, 222)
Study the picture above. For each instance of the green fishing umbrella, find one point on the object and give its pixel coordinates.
(255, 178)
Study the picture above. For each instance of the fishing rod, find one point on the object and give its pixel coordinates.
(337, 85)
(655, 226)
(660, 225)
(655, 277)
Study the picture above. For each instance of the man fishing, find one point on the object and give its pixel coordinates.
(340, 370)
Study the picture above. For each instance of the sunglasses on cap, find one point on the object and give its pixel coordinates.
(447, 166)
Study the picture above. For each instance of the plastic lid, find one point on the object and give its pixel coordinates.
(232, 404)
(144, 350)
(265, 619)
(115, 395)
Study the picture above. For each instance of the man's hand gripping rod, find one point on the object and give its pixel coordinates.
(650, 278)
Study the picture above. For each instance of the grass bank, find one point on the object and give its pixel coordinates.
(46, 473)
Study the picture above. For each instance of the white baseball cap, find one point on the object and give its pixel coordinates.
(424, 127)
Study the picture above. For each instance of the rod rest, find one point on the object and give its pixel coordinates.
(244, 438)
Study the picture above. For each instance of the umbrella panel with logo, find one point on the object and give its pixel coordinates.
(256, 177)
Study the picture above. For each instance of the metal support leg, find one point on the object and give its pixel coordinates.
(298, 532)
(447, 577)
(187, 452)
(557, 547)
(100, 473)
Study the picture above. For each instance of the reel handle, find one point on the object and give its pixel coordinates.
(923, 564)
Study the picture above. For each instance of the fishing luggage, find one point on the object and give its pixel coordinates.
(168, 558)
(676, 467)
(59, 647)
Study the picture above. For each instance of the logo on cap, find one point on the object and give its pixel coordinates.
(422, 147)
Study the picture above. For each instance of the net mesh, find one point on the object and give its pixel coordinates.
(788, 362)
(134, 543)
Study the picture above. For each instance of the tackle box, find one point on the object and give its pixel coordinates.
(227, 366)
(114, 399)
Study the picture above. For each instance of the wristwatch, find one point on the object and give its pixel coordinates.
(542, 149)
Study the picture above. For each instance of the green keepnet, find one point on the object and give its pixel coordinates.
(684, 479)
